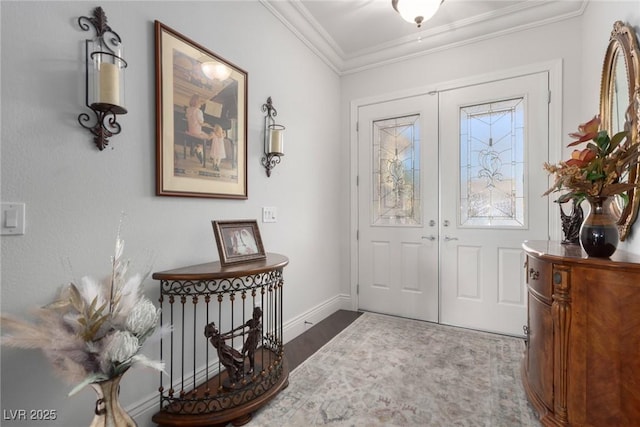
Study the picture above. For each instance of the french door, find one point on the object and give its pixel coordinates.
(493, 140)
(450, 185)
(398, 208)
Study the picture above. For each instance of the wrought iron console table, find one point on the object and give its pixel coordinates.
(230, 318)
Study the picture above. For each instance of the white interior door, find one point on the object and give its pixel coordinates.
(493, 143)
(397, 207)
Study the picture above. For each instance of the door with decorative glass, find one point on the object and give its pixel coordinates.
(398, 207)
(493, 142)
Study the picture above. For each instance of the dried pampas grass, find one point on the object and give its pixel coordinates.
(95, 329)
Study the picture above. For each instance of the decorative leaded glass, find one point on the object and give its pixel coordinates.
(492, 164)
(396, 172)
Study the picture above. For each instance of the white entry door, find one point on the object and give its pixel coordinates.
(398, 207)
(493, 143)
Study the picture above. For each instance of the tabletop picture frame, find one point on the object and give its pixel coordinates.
(201, 120)
(238, 241)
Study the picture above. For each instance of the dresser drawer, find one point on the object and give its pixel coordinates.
(539, 277)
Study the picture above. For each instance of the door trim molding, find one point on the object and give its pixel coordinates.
(554, 70)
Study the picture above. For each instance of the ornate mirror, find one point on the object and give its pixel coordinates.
(619, 104)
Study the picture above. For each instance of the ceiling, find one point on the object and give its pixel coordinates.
(353, 35)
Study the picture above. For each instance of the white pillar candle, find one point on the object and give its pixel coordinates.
(276, 141)
(109, 84)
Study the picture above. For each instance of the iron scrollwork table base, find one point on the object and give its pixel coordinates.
(198, 390)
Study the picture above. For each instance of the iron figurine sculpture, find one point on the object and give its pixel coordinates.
(229, 357)
(571, 223)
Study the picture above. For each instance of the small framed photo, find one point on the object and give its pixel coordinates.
(238, 241)
(201, 120)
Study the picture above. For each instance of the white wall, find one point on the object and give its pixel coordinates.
(74, 194)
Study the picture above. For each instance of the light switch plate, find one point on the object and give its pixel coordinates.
(269, 214)
(12, 219)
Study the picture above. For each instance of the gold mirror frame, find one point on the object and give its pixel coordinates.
(622, 55)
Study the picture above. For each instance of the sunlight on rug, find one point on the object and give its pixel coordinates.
(389, 371)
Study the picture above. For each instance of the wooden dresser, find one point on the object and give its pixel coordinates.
(582, 360)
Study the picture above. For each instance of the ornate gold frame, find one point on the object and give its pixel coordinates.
(623, 49)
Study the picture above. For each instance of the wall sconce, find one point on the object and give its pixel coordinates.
(273, 138)
(104, 78)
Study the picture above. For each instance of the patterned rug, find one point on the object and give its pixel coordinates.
(389, 371)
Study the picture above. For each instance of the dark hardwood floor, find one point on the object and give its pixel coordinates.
(304, 345)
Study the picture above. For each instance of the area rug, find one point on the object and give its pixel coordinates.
(388, 371)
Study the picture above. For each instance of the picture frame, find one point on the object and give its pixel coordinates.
(238, 241)
(201, 120)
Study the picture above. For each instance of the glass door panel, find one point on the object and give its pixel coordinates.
(396, 172)
(492, 165)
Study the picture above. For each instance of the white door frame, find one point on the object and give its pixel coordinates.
(554, 68)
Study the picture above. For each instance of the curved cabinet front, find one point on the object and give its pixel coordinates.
(581, 365)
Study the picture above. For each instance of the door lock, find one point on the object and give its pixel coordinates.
(446, 223)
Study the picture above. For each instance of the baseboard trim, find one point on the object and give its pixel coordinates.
(296, 326)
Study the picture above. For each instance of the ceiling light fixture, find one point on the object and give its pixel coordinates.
(416, 11)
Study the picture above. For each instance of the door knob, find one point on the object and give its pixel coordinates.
(447, 238)
(432, 237)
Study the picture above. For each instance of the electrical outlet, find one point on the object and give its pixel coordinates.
(269, 214)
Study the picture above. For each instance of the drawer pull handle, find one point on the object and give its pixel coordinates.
(534, 274)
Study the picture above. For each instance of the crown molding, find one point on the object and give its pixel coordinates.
(518, 17)
(302, 27)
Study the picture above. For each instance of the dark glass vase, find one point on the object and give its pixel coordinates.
(599, 233)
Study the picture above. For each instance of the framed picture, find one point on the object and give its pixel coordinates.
(201, 120)
(238, 241)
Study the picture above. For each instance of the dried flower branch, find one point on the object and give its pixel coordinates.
(94, 330)
(597, 170)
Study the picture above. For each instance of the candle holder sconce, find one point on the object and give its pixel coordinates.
(104, 79)
(273, 138)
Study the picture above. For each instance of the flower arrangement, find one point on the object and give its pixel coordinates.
(597, 169)
(94, 330)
